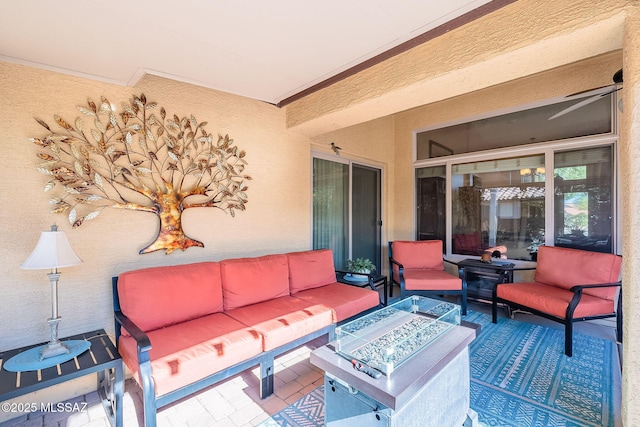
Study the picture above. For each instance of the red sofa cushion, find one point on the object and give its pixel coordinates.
(418, 254)
(553, 300)
(565, 268)
(187, 352)
(344, 300)
(424, 279)
(247, 281)
(310, 269)
(282, 320)
(160, 296)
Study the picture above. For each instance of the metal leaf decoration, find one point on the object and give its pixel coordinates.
(141, 161)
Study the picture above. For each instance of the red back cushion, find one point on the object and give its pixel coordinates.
(310, 269)
(564, 268)
(252, 280)
(418, 254)
(162, 296)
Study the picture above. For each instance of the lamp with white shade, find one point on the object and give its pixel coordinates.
(53, 251)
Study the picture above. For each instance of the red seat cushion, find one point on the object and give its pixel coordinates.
(283, 319)
(552, 299)
(425, 279)
(184, 353)
(565, 268)
(247, 281)
(310, 269)
(161, 296)
(344, 300)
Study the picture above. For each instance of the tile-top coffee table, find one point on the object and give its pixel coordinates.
(417, 353)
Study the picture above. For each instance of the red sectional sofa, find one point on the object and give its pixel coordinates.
(181, 328)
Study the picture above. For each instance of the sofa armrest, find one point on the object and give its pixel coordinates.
(142, 340)
(577, 294)
(579, 288)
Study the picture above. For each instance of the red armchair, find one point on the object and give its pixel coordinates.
(418, 268)
(570, 285)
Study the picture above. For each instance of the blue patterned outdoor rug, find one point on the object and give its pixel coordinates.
(520, 377)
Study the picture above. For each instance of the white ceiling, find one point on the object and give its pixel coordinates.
(263, 49)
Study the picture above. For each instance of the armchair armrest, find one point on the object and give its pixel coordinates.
(400, 272)
(579, 288)
(393, 261)
(577, 294)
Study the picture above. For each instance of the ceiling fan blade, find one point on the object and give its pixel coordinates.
(582, 103)
(595, 89)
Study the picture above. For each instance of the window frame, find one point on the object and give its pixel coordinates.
(548, 149)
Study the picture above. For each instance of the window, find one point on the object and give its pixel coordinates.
(498, 203)
(582, 194)
(515, 202)
(514, 129)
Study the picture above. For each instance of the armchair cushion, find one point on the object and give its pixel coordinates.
(552, 299)
(565, 268)
(424, 254)
(424, 279)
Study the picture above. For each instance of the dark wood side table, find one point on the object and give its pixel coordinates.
(101, 358)
(481, 277)
(374, 280)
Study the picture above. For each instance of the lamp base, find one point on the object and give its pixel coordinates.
(53, 349)
(29, 360)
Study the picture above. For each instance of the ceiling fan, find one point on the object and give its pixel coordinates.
(617, 85)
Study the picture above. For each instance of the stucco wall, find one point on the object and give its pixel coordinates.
(630, 201)
(277, 218)
(518, 40)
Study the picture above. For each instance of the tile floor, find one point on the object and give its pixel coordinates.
(234, 402)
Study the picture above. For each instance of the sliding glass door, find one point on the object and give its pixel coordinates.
(347, 210)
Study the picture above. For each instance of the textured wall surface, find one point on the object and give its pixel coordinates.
(630, 201)
(525, 37)
(278, 162)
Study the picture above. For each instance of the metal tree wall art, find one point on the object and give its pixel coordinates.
(141, 159)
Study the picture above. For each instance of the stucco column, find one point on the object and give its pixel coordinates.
(630, 204)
